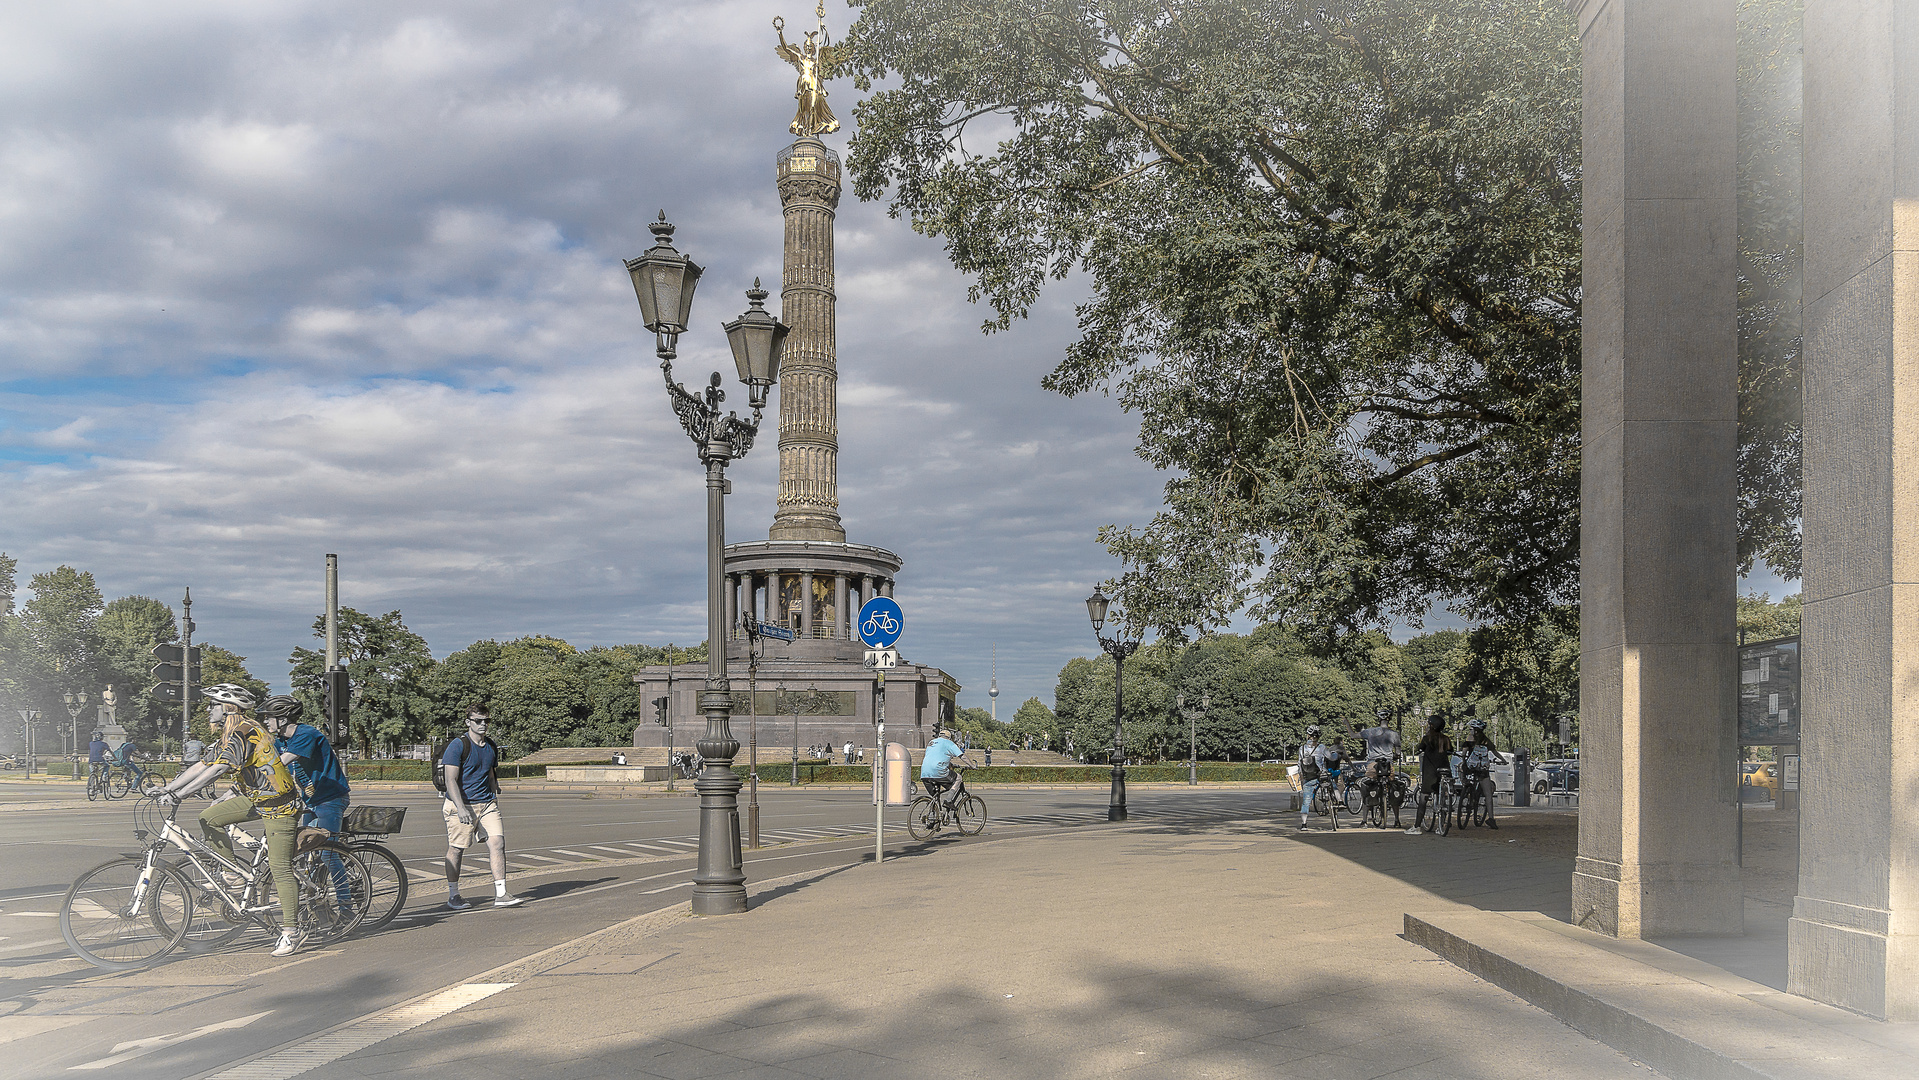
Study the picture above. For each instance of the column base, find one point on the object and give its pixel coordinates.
(1847, 956)
(1638, 900)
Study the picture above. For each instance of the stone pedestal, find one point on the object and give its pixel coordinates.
(1658, 673)
(1854, 935)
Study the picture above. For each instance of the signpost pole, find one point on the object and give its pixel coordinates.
(186, 667)
(879, 767)
(752, 628)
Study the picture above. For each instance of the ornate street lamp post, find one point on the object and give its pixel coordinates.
(1119, 649)
(1193, 716)
(76, 704)
(664, 281)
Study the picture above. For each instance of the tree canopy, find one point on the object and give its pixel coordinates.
(1333, 258)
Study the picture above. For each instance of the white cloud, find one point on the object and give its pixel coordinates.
(283, 280)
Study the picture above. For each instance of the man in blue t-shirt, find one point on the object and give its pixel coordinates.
(311, 760)
(936, 767)
(471, 764)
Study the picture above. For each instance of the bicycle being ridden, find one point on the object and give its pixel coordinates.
(323, 784)
(946, 800)
(131, 911)
(124, 774)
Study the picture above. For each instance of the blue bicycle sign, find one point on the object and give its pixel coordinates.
(880, 622)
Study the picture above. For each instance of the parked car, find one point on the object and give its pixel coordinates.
(1764, 774)
(1556, 774)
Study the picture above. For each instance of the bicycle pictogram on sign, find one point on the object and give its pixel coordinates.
(880, 622)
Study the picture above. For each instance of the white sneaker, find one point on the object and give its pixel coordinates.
(1414, 831)
(508, 901)
(290, 941)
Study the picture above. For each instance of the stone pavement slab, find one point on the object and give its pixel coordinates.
(1142, 951)
(1679, 1014)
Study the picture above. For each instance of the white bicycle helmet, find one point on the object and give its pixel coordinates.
(230, 694)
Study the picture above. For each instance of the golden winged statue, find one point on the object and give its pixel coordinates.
(811, 59)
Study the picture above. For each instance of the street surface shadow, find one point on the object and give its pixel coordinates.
(1106, 1018)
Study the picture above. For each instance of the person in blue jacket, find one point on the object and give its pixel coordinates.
(311, 760)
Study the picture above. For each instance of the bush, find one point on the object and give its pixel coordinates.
(1026, 774)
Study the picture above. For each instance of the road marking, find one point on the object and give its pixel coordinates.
(576, 854)
(128, 1050)
(330, 1046)
(530, 855)
(666, 888)
(598, 847)
(683, 843)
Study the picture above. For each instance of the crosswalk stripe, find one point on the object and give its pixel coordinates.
(577, 854)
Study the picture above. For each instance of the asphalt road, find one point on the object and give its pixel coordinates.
(583, 863)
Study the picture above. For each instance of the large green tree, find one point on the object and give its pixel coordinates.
(1034, 724)
(388, 666)
(1333, 255)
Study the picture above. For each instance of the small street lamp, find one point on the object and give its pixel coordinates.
(1119, 649)
(1193, 716)
(664, 280)
(29, 718)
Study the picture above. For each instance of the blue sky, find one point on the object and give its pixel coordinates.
(278, 280)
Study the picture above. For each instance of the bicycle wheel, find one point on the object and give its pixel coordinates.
(95, 787)
(214, 922)
(923, 818)
(334, 891)
(972, 815)
(1354, 799)
(120, 915)
(386, 883)
(150, 784)
(116, 783)
(1445, 808)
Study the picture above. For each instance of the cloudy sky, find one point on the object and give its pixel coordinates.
(283, 279)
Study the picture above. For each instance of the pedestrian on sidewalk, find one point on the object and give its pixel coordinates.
(472, 766)
(1308, 772)
(1435, 762)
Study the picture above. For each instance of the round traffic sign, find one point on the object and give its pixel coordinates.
(880, 622)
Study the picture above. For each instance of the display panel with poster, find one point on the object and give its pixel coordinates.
(1769, 693)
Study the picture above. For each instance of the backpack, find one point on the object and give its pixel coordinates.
(439, 766)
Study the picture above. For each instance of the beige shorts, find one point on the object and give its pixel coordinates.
(486, 822)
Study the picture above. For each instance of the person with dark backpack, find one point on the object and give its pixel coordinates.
(468, 774)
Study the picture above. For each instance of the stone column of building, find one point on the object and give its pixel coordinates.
(732, 606)
(1854, 935)
(841, 617)
(806, 603)
(809, 499)
(1658, 544)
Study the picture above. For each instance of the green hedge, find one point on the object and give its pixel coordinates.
(1028, 774)
(422, 771)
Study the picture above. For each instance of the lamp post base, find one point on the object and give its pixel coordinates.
(719, 885)
(1116, 806)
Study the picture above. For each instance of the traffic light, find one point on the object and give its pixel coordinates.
(659, 710)
(336, 694)
(175, 676)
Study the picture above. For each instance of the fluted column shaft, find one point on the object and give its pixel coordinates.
(809, 500)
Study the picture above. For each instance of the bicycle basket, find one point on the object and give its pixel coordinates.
(373, 820)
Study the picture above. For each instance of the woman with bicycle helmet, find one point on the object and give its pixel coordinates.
(265, 787)
(1477, 759)
(1435, 751)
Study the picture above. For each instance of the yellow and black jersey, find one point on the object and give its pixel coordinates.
(259, 773)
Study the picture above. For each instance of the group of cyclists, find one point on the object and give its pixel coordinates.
(282, 772)
(1466, 766)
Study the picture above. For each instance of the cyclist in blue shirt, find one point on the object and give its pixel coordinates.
(936, 767)
(97, 754)
(310, 758)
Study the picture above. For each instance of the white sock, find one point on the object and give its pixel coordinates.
(452, 890)
(499, 889)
